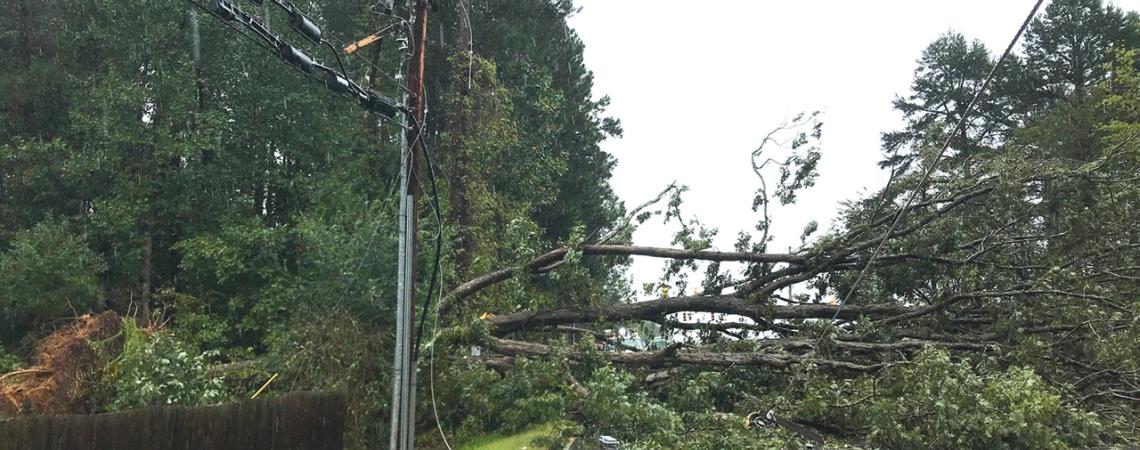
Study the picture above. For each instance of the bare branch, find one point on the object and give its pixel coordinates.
(703, 255)
(550, 259)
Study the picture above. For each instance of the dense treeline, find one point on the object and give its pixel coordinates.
(156, 163)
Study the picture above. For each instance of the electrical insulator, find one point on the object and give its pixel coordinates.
(303, 25)
(379, 104)
(296, 58)
(337, 83)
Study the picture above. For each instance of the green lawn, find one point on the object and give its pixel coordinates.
(515, 441)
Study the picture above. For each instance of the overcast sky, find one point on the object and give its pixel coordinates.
(698, 84)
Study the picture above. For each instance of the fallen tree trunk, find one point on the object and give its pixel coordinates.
(554, 257)
(672, 356)
(655, 310)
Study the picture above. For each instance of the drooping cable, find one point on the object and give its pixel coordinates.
(438, 235)
(431, 367)
(945, 145)
(339, 63)
(438, 271)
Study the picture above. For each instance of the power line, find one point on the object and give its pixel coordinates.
(945, 145)
(301, 22)
(336, 81)
(230, 26)
(438, 239)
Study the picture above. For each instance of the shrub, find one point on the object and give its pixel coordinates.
(48, 273)
(157, 369)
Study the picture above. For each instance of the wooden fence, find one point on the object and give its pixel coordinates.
(301, 421)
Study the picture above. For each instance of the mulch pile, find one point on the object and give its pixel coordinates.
(66, 363)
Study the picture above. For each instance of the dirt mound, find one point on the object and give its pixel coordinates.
(65, 364)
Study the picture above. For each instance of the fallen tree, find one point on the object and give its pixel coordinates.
(974, 269)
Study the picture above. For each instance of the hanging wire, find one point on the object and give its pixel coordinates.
(431, 370)
(438, 234)
(945, 145)
(336, 53)
(437, 272)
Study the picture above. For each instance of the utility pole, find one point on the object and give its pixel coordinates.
(402, 436)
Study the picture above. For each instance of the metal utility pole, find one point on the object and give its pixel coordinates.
(402, 435)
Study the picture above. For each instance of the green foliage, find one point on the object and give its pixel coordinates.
(610, 406)
(711, 431)
(533, 393)
(48, 273)
(334, 351)
(530, 438)
(154, 368)
(936, 402)
(243, 256)
(8, 361)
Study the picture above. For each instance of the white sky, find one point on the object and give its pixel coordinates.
(697, 84)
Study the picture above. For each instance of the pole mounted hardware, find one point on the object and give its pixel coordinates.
(368, 40)
(296, 58)
(379, 104)
(335, 81)
(303, 25)
(297, 20)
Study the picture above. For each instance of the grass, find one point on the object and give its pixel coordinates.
(515, 441)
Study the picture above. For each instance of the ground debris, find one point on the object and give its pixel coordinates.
(65, 365)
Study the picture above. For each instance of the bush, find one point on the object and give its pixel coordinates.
(8, 361)
(334, 351)
(157, 369)
(48, 273)
(939, 403)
